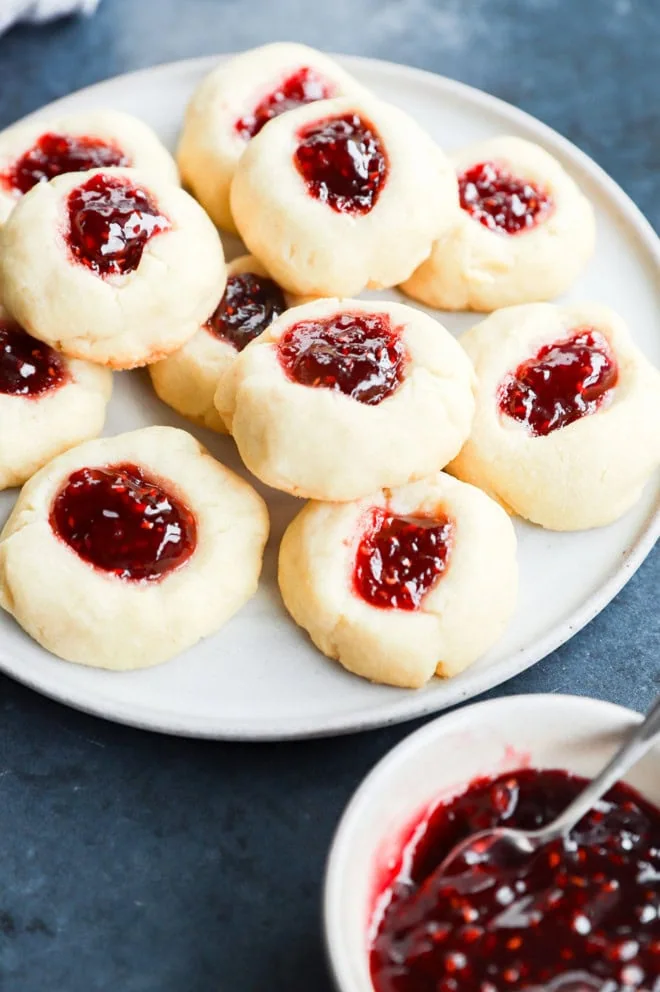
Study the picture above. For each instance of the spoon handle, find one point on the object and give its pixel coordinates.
(629, 754)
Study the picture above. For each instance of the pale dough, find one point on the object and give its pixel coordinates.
(187, 380)
(131, 136)
(474, 268)
(210, 145)
(119, 320)
(587, 473)
(95, 618)
(459, 618)
(33, 429)
(311, 249)
(323, 444)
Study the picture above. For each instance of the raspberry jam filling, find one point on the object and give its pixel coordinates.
(358, 354)
(110, 222)
(122, 521)
(343, 163)
(565, 381)
(27, 367)
(54, 154)
(250, 304)
(399, 559)
(500, 201)
(304, 86)
(580, 915)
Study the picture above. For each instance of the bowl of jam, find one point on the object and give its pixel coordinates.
(580, 915)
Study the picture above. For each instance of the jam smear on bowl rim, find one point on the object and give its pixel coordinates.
(305, 85)
(55, 154)
(582, 914)
(249, 305)
(28, 367)
(399, 559)
(124, 522)
(562, 383)
(500, 201)
(343, 162)
(110, 221)
(359, 354)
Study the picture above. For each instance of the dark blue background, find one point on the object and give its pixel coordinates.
(138, 863)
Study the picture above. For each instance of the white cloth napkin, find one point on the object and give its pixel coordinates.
(41, 10)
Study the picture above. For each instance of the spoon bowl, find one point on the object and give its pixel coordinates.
(382, 823)
(502, 845)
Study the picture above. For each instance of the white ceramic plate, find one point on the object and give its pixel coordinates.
(540, 731)
(260, 677)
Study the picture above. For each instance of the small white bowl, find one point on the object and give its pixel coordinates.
(490, 738)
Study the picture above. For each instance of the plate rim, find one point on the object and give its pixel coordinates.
(405, 708)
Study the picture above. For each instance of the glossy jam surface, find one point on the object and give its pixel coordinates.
(27, 367)
(250, 304)
(358, 354)
(110, 222)
(500, 201)
(343, 163)
(563, 382)
(580, 915)
(122, 521)
(304, 86)
(399, 559)
(53, 154)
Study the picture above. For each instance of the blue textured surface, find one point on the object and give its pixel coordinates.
(146, 864)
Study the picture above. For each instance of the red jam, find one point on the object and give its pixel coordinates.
(565, 381)
(304, 86)
(343, 163)
(358, 354)
(250, 304)
(501, 202)
(399, 559)
(54, 154)
(580, 915)
(27, 367)
(110, 222)
(122, 521)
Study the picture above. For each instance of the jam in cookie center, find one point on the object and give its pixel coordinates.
(399, 559)
(303, 86)
(28, 367)
(358, 354)
(343, 163)
(110, 222)
(122, 521)
(54, 154)
(562, 383)
(250, 304)
(501, 201)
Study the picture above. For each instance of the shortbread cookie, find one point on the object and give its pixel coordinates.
(187, 380)
(48, 403)
(124, 551)
(340, 398)
(111, 266)
(524, 234)
(341, 195)
(404, 584)
(234, 102)
(36, 151)
(566, 428)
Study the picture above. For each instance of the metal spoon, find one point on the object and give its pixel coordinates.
(512, 842)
